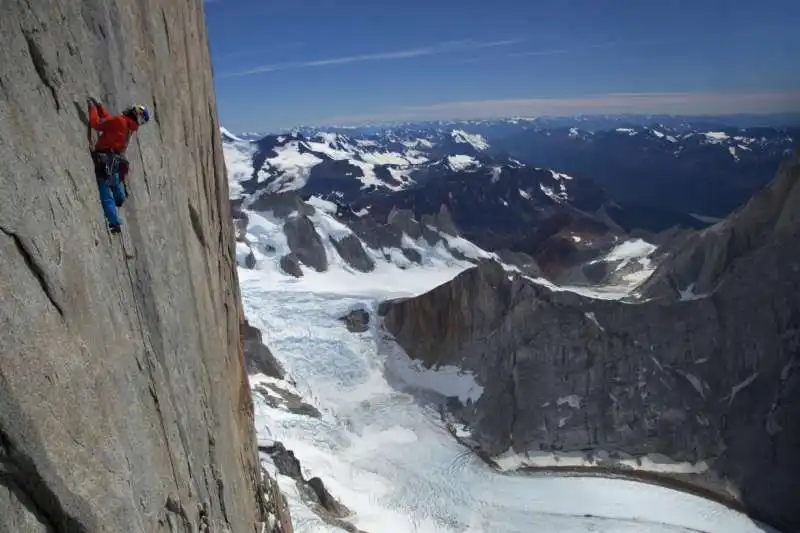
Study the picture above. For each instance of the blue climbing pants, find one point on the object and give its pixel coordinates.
(112, 193)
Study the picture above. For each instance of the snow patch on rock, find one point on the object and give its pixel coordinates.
(473, 139)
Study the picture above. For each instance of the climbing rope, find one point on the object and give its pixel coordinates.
(148, 363)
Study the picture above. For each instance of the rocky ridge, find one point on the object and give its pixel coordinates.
(699, 382)
(306, 234)
(313, 234)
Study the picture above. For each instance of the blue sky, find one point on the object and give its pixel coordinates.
(285, 63)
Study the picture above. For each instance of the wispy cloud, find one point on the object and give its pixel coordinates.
(430, 50)
(557, 51)
(648, 103)
(671, 39)
(253, 50)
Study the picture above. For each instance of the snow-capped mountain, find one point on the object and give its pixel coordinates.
(605, 184)
(707, 171)
(497, 202)
(653, 164)
(493, 129)
(348, 403)
(314, 239)
(334, 164)
(295, 238)
(493, 203)
(464, 211)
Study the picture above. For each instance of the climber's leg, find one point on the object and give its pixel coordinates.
(107, 200)
(117, 190)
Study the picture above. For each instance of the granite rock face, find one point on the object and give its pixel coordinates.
(711, 381)
(313, 490)
(124, 401)
(698, 266)
(351, 250)
(258, 357)
(291, 265)
(356, 321)
(305, 242)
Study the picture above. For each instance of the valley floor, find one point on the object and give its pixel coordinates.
(383, 451)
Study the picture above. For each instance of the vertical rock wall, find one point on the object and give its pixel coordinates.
(124, 403)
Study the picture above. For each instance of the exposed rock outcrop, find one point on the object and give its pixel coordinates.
(257, 356)
(291, 265)
(442, 220)
(276, 396)
(280, 204)
(351, 250)
(305, 242)
(412, 255)
(278, 517)
(124, 400)
(403, 219)
(326, 500)
(250, 260)
(284, 460)
(357, 320)
(521, 260)
(713, 382)
(698, 266)
(313, 491)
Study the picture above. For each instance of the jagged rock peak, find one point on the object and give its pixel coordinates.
(770, 217)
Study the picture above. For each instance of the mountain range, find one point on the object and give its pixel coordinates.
(562, 195)
(599, 332)
(704, 169)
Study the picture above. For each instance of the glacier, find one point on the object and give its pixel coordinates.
(382, 448)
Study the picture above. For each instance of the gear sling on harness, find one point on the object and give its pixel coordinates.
(110, 169)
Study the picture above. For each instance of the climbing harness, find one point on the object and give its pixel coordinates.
(109, 163)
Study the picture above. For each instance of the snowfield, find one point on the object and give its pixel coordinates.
(461, 162)
(385, 453)
(715, 136)
(633, 263)
(238, 156)
(387, 456)
(394, 274)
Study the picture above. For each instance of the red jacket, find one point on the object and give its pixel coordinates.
(115, 130)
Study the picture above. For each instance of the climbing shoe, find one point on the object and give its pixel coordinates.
(114, 228)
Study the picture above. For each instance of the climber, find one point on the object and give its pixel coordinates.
(108, 155)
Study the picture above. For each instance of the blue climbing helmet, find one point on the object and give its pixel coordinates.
(139, 112)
